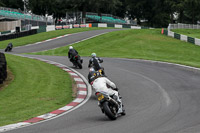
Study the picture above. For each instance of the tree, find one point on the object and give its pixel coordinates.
(1, 3)
(175, 6)
(12, 4)
(192, 12)
(154, 12)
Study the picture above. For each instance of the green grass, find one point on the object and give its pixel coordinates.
(140, 44)
(42, 36)
(37, 88)
(189, 32)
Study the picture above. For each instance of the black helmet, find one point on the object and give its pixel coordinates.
(94, 75)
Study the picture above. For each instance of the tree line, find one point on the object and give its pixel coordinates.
(155, 13)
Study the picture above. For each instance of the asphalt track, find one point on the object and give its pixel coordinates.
(158, 97)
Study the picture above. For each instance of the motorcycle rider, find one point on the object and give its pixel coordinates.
(9, 47)
(95, 63)
(101, 83)
(72, 53)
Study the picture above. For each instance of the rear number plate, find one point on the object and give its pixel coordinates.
(100, 97)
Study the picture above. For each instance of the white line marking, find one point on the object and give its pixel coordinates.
(164, 93)
(73, 74)
(47, 116)
(66, 108)
(13, 126)
(82, 92)
(78, 79)
(82, 85)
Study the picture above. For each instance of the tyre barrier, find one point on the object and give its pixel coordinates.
(18, 34)
(3, 68)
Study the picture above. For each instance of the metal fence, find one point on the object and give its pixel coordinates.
(106, 15)
(18, 14)
(183, 26)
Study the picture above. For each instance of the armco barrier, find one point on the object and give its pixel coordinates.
(41, 29)
(195, 41)
(165, 32)
(110, 25)
(177, 36)
(116, 25)
(126, 26)
(3, 68)
(59, 27)
(76, 26)
(94, 24)
(67, 26)
(83, 25)
(191, 40)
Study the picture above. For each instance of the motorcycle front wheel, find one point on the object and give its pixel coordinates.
(110, 111)
(6, 49)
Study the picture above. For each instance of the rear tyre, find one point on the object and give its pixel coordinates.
(110, 111)
(79, 64)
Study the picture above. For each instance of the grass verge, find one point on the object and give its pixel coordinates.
(147, 44)
(8, 80)
(37, 88)
(43, 36)
(188, 32)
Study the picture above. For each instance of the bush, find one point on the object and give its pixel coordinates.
(3, 68)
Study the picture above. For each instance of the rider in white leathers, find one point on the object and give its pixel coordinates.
(100, 84)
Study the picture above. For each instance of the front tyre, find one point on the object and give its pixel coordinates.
(110, 111)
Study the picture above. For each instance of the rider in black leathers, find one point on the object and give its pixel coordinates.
(95, 63)
(72, 53)
(9, 47)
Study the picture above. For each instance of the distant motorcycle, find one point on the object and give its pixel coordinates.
(77, 61)
(109, 105)
(9, 47)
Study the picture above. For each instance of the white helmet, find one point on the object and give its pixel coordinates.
(70, 47)
(91, 69)
(93, 54)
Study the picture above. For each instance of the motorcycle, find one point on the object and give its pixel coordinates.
(77, 61)
(109, 105)
(9, 47)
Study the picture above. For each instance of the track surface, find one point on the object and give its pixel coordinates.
(158, 97)
(60, 42)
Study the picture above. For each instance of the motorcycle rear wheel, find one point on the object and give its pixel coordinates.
(109, 112)
(79, 64)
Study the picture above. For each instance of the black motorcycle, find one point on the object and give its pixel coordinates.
(77, 61)
(109, 105)
(9, 47)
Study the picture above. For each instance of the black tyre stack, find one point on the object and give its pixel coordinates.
(3, 68)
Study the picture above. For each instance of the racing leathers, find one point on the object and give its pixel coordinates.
(95, 63)
(71, 54)
(100, 85)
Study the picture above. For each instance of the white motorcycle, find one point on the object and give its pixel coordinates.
(109, 105)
